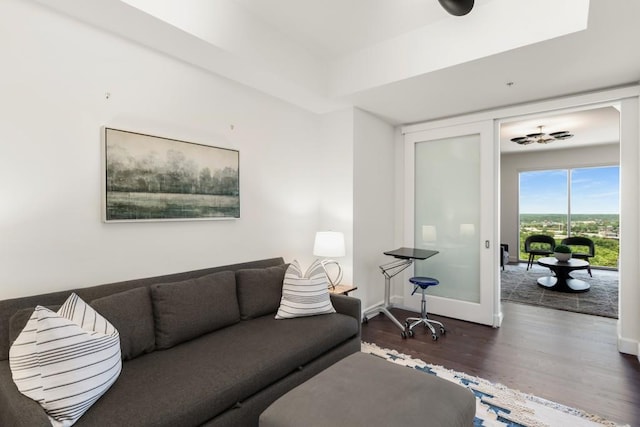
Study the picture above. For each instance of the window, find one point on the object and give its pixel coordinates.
(573, 202)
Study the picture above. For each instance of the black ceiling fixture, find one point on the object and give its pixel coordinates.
(541, 137)
(457, 7)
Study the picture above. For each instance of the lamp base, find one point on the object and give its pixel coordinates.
(338, 277)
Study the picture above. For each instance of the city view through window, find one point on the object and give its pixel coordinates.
(573, 202)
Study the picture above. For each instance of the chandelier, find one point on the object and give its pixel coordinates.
(541, 137)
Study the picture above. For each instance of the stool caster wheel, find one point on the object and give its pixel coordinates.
(407, 333)
(406, 324)
(442, 331)
(434, 337)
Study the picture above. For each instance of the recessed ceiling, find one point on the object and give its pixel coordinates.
(332, 28)
(594, 59)
(405, 61)
(589, 127)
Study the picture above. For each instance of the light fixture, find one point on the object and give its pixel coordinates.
(457, 7)
(330, 244)
(541, 137)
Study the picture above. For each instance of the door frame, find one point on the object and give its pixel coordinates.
(628, 330)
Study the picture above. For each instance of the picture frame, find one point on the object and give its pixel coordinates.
(153, 178)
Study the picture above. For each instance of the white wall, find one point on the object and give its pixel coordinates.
(374, 203)
(55, 74)
(336, 165)
(512, 164)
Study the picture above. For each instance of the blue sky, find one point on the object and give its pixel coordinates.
(593, 191)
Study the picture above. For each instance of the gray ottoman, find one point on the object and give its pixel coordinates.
(365, 390)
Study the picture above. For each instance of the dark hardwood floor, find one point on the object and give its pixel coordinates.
(565, 357)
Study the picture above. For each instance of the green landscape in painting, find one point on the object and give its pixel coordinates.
(154, 178)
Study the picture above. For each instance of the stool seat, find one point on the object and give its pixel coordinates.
(424, 282)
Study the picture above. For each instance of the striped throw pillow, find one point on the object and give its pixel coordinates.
(66, 360)
(304, 294)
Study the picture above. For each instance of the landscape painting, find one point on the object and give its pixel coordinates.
(150, 178)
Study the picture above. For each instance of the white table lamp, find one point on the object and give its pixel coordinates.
(330, 244)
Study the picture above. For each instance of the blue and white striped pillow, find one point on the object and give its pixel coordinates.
(66, 360)
(304, 294)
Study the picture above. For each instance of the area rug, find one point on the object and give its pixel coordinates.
(519, 285)
(498, 405)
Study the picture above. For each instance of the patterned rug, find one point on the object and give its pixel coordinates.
(497, 405)
(519, 285)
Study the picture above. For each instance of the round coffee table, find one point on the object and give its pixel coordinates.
(563, 282)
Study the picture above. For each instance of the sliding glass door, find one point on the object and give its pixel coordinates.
(543, 204)
(447, 214)
(595, 211)
(573, 202)
(450, 187)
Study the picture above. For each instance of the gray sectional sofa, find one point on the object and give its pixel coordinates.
(199, 348)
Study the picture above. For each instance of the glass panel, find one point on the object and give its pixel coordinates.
(544, 205)
(595, 207)
(447, 214)
(592, 211)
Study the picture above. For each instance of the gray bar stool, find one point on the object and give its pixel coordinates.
(422, 283)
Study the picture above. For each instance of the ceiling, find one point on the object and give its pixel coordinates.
(331, 28)
(595, 126)
(599, 57)
(405, 61)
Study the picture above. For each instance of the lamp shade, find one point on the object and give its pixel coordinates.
(329, 244)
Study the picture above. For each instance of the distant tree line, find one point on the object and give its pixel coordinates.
(175, 174)
(606, 225)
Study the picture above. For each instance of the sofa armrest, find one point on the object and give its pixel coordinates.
(349, 306)
(17, 409)
(346, 305)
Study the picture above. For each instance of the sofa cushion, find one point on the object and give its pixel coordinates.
(259, 290)
(185, 310)
(305, 294)
(66, 360)
(191, 383)
(131, 313)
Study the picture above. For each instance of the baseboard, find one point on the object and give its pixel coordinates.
(396, 301)
(628, 346)
(497, 319)
(370, 309)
